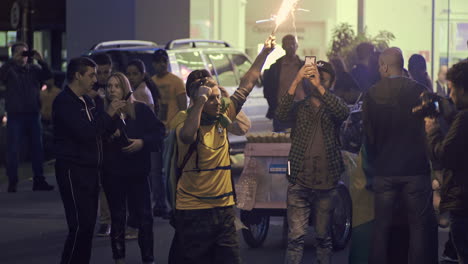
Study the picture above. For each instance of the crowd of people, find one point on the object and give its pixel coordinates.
(111, 129)
(406, 154)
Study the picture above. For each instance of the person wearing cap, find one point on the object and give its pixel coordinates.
(171, 88)
(315, 159)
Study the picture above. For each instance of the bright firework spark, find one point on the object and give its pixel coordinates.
(287, 7)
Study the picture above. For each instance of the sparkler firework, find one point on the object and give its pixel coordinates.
(287, 7)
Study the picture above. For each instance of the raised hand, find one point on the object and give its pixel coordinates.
(37, 56)
(115, 106)
(270, 44)
(203, 93)
(314, 76)
(305, 72)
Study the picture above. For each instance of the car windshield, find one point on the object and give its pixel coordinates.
(121, 58)
(189, 61)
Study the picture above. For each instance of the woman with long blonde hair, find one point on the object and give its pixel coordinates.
(126, 167)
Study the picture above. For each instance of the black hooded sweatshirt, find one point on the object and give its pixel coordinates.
(394, 137)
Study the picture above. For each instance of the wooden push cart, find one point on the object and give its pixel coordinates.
(261, 193)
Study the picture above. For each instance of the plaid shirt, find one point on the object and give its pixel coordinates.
(332, 113)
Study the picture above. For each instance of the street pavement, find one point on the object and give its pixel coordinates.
(33, 229)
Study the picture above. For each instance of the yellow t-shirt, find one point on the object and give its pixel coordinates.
(169, 87)
(209, 184)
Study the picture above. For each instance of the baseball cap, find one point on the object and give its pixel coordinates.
(326, 67)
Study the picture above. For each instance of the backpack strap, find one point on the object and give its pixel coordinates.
(187, 156)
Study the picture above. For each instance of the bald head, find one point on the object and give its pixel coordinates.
(290, 45)
(391, 62)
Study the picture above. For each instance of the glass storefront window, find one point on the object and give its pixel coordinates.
(451, 31)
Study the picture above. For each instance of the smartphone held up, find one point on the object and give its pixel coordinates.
(310, 60)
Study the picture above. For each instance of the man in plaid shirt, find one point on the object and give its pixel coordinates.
(315, 159)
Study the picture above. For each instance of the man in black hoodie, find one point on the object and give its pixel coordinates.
(78, 129)
(394, 141)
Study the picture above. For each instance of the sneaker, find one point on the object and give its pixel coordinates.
(42, 186)
(103, 230)
(449, 259)
(131, 233)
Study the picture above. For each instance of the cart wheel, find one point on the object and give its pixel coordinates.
(257, 225)
(342, 218)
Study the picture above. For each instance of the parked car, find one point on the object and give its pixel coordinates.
(225, 63)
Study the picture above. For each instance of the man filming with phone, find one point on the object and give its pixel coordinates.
(315, 159)
(23, 80)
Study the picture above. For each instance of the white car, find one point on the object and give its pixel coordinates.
(225, 63)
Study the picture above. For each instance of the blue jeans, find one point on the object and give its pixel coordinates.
(459, 231)
(18, 126)
(301, 202)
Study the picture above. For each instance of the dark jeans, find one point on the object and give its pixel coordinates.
(18, 126)
(79, 189)
(459, 231)
(205, 236)
(415, 193)
(158, 182)
(133, 190)
(301, 202)
(449, 248)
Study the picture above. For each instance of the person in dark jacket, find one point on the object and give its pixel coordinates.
(127, 163)
(361, 72)
(418, 71)
(278, 78)
(396, 151)
(23, 83)
(452, 151)
(315, 158)
(78, 130)
(345, 86)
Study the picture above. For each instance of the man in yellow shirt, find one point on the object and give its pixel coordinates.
(204, 216)
(171, 88)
